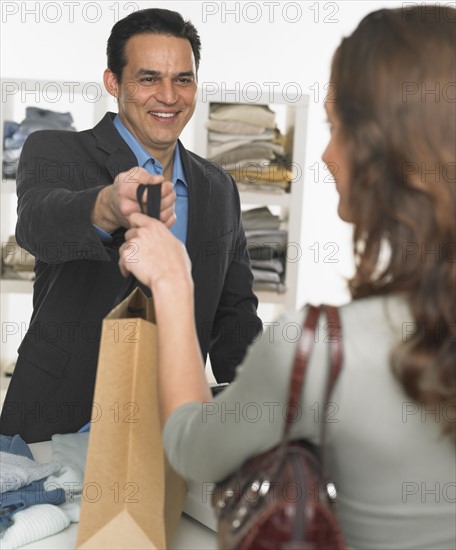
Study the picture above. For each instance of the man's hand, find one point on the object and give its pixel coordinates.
(117, 201)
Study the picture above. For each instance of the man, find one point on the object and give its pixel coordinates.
(75, 191)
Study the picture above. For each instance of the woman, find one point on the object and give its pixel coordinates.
(390, 436)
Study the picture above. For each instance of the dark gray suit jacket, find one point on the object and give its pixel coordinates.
(77, 277)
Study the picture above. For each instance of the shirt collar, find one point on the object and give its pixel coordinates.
(142, 156)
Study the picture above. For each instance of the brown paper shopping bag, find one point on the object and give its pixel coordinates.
(132, 498)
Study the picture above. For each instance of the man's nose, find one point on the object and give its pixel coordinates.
(166, 93)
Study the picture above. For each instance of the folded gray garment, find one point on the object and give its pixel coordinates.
(217, 148)
(260, 218)
(18, 471)
(258, 115)
(274, 264)
(43, 119)
(265, 252)
(233, 127)
(274, 287)
(259, 149)
(266, 246)
(218, 137)
(265, 276)
(59, 119)
(276, 236)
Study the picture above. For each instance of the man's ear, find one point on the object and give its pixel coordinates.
(111, 84)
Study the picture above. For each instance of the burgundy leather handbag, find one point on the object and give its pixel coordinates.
(282, 499)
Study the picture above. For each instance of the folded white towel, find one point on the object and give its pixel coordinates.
(34, 523)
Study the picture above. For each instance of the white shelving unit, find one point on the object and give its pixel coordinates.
(87, 102)
(294, 126)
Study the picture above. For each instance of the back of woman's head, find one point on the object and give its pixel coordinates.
(395, 82)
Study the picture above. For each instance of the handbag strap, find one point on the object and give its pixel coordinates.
(334, 335)
(303, 351)
(335, 348)
(301, 360)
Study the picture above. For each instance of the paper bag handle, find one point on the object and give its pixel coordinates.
(153, 199)
(153, 210)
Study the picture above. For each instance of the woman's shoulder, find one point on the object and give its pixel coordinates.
(376, 317)
(370, 326)
(364, 314)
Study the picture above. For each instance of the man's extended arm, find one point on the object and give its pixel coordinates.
(62, 195)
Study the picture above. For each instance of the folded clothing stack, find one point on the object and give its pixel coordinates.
(22, 488)
(267, 245)
(17, 263)
(244, 139)
(15, 134)
(39, 500)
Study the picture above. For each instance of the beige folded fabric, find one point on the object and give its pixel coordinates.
(258, 149)
(16, 257)
(274, 188)
(233, 127)
(219, 137)
(258, 115)
(216, 149)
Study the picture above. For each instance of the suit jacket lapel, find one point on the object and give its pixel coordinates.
(120, 157)
(199, 194)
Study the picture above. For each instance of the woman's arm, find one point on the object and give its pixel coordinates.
(207, 441)
(159, 260)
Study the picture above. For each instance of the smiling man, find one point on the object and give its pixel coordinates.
(75, 192)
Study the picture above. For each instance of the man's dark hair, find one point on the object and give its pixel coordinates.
(153, 21)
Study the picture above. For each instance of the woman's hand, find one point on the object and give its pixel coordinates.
(153, 255)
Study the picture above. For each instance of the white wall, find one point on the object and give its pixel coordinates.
(243, 42)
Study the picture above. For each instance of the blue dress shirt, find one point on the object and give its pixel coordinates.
(146, 161)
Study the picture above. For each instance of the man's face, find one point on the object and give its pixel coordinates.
(157, 95)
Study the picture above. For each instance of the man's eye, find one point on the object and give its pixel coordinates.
(185, 80)
(148, 80)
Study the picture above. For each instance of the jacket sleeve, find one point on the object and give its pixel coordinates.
(236, 324)
(56, 189)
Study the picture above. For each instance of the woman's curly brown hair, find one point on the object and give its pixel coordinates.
(395, 82)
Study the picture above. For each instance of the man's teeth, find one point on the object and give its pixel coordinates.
(164, 115)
